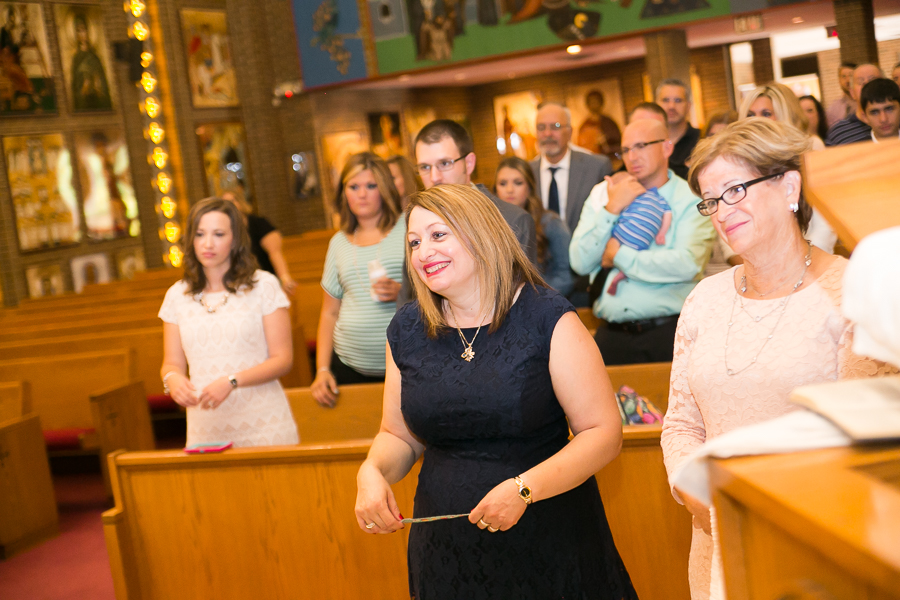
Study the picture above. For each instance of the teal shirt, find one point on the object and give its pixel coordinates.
(659, 278)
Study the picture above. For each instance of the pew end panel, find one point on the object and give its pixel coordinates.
(249, 523)
(15, 399)
(357, 414)
(28, 511)
(122, 420)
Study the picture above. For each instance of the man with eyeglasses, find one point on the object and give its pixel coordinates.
(565, 176)
(445, 153)
(674, 96)
(639, 320)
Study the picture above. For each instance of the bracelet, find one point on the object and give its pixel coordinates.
(166, 382)
(320, 369)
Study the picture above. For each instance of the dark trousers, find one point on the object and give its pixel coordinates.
(627, 348)
(345, 374)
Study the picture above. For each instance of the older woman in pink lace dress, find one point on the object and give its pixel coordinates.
(750, 335)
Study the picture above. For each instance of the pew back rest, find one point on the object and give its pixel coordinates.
(650, 380)
(61, 385)
(357, 414)
(15, 400)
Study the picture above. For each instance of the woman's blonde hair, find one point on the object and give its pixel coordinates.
(784, 101)
(500, 263)
(533, 204)
(243, 263)
(390, 199)
(761, 145)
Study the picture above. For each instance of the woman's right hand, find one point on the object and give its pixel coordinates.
(376, 507)
(324, 389)
(182, 390)
(699, 510)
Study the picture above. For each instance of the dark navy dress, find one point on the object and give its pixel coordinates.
(483, 422)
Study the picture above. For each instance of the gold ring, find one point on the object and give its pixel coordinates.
(483, 523)
(370, 525)
(492, 530)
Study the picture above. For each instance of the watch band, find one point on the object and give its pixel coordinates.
(233, 381)
(524, 490)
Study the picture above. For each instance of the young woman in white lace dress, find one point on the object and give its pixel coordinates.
(750, 335)
(229, 321)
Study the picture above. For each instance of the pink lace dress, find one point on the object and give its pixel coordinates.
(811, 343)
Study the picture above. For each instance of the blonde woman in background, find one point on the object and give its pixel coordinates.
(778, 102)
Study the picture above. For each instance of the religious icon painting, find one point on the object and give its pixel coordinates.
(224, 150)
(336, 149)
(209, 58)
(26, 71)
(598, 116)
(88, 270)
(129, 262)
(44, 280)
(110, 205)
(85, 56)
(304, 176)
(384, 134)
(39, 168)
(514, 116)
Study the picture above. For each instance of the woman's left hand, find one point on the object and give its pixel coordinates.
(215, 393)
(500, 509)
(386, 289)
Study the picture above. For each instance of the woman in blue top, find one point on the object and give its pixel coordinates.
(515, 183)
(363, 268)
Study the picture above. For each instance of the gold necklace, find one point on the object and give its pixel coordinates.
(212, 309)
(468, 354)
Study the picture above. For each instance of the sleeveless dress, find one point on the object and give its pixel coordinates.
(483, 422)
(224, 342)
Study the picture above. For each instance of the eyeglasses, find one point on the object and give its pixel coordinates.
(732, 195)
(442, 165)
(542, 127)
(636, 148)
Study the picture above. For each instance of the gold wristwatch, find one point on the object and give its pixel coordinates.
(524, 490)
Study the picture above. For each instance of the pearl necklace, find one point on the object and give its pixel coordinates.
(468, 354)
(212, 309)
(738, 299)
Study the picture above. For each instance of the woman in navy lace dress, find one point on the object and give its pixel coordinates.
(494, 368)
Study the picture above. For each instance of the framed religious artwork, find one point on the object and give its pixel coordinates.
(44, 280)
(598, 116)
(129, 262)
(304, 177)
(336, 149)
(385, 138)
(39, 168)
(85, 56)
(224, 150)
(416, 119)
(89, 269)
(209, 60)
(110, 205)
(514, 117)
(26, 71)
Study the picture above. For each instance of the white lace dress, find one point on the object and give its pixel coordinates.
(226, 342)
(812, 344)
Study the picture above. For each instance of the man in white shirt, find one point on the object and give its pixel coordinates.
(565, 176)
(880, 102)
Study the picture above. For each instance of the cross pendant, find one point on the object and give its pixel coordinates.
(468, 355)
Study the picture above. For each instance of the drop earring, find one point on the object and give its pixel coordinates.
(794, 206)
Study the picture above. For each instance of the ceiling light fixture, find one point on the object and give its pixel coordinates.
(573, 49)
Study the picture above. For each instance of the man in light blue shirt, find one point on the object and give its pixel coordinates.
(640, 319)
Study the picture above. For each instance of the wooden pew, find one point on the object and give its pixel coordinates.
(96, 325)
(357, 414)
(27, 502)
(249, 523)
(15, 399)
(652, 531)
(122, 419)
(61, 385)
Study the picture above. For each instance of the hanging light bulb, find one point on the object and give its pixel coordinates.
(168, 206)
(173, 232)
(148, 82)
(152, 107)
(135, 7)
(141, 31)
(159, 157)
(163, 182)
(156, 133)
(175, 256)
(146, 59)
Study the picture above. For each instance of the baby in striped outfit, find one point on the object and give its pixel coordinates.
(645, 220)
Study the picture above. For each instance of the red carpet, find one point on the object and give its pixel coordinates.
(74, 565)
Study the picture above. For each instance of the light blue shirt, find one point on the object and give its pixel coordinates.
(659, 278)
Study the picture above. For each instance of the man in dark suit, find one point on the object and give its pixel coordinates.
(564, 176)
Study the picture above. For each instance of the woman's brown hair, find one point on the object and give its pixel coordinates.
(501, 264)
(412, 183)
(243, 263)
(390, 198)
(761, 145)
(533, 204)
